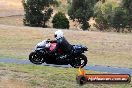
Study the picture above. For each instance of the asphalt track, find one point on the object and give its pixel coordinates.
(109, 69)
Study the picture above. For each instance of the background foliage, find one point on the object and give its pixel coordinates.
(37, 12)
(60, 21)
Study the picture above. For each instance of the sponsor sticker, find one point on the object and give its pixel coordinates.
(83, 78)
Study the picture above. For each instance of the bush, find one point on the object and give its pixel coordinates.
(102, 14)
(85, 26)
(60, 21)
(110, 14)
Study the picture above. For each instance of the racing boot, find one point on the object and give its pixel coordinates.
(61, 58)
(65, 58)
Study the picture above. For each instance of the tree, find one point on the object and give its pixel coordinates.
(37, 12)
(129, 23)
(127, 4)
(60, 21)
(81, 11)
(119, 19)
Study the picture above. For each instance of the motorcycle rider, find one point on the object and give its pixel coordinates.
(62, 44)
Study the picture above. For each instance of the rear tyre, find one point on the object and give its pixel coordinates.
(36, 58)
(80, 60)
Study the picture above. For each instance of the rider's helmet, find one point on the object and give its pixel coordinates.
(58, 34)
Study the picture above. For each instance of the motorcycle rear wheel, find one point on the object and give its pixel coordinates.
(35, 58)
(80, 60)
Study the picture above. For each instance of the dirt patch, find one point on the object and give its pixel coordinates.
(8, 80)
(6, 83)
(12, 20)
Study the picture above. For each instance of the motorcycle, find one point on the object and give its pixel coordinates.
(44, 53)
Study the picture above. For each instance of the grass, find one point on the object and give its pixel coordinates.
(33, 76)
(10, 7)
(111, 49)
(12, 20)
(15, 4)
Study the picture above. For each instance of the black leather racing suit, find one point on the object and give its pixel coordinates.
(64, 45)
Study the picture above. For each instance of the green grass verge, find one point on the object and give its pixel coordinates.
(53, 77)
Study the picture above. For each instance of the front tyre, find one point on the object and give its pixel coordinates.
(35, 58)
(80, 60)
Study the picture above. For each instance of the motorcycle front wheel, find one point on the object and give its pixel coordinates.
(35, 58)
(80, 60)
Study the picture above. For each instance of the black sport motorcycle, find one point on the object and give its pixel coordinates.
(43, 54)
